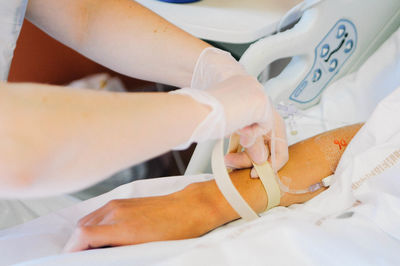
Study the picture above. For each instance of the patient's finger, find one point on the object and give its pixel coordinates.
(96, 219)
(97, 216)
(87, 237)
(91, 217)
(86, 218)
(253, 173)
(237, 160)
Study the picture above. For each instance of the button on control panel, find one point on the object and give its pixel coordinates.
(330, 55)
(317, 75)
(333, 65)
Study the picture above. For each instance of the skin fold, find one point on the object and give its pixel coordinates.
(200, 207)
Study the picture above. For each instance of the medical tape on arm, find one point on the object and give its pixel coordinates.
(228, 189)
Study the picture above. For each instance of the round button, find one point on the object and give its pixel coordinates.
(325, 50)
(332, 65)
(348, 46)
(341, 31)
(317, 75)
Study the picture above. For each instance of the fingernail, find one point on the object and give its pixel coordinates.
(248, 141)
(263, 156)
(229, 164)
(253, 173)
(230, 169)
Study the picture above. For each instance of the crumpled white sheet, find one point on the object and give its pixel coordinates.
(13, 212)
(355, 222)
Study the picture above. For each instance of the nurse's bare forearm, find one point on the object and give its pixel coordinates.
(122, 35)
(54, 140)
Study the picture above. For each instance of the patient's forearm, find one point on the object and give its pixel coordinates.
(310, 161)
(200, 207)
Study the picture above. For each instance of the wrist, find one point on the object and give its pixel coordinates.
(213, 66)
(211, 208)
(211, 121)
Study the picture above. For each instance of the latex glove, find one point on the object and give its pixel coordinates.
(259, 148)
(222, 83)
(213, 66)
(242, 101)
(236, 102)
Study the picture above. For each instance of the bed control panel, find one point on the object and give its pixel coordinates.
(330, 55)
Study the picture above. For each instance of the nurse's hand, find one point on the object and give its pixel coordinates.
(238, 103)
(245, 103)
(258, 146)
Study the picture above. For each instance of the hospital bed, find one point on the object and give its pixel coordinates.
(344, 234)
(226, 21)
(324, 46)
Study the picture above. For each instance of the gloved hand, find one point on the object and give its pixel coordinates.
(238, 102)
(274, 142)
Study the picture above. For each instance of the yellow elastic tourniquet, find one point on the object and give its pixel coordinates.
(267, 177)
(226, 186)
(228, 189)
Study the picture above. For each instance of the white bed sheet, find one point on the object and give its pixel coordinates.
(345, 226)
(355, 222)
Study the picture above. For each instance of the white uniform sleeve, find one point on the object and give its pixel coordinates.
(12, 13)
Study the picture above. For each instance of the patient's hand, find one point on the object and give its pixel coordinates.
(189, 213)
(185, 214)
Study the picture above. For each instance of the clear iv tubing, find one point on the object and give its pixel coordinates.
(289, 111)
(311, 188)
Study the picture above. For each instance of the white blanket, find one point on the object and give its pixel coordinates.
(355, 222)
